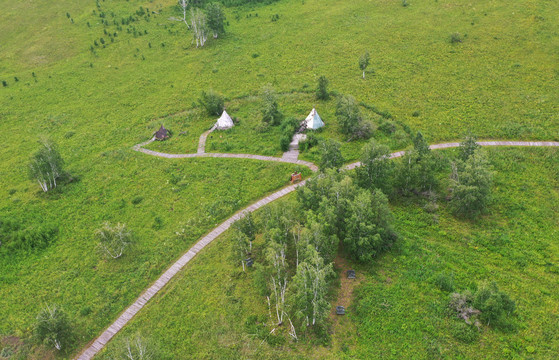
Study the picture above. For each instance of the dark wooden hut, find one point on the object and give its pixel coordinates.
(162, 133)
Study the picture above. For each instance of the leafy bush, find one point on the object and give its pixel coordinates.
(46, 165)
(495, 305)
(311, 141)
(491, 305)
(369, 226)
(330, 155)
(14, 237)
(285, 140)
(270, 108)
(288, 127)
(376, 168)
(466, 333)
(52, 327)
(212, 102)
(471, 185)
(456, 38)
(322, 89)
(352, 122)
(445, 281)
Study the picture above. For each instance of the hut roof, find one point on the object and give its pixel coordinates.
(314, 121)
(162, 133)
(224, 122)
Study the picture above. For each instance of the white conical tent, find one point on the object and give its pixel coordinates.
(314, 121)
(224, 122)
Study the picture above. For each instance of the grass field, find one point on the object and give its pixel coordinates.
(398, 311)
(98, 100)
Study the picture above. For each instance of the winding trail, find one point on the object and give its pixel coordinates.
(201, 153)
(143, 299)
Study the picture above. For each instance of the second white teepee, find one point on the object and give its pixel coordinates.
(314, 121)
(224, 122)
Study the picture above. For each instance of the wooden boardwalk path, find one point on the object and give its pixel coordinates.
(203, 138)
(142, 300)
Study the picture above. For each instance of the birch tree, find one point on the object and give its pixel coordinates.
(216, 19)
(471, 185)
(369, 226)
(276, 258)
(135, 348)
(364, 62)
(199, 27)
(184, 5)
(376, 167)
(248, 226)
(46, 166)
(311, 286)
(241, 246)
(113, 240)
(53, 327)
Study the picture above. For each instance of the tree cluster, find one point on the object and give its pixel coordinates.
(46, 165)
(488, 305)
(295, 263)
(211, 20)
(352, 122)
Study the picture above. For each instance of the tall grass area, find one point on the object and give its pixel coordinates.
(400, 309)
(167, 204)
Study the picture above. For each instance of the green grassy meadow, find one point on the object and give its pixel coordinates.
(398, 311)
(96, 99)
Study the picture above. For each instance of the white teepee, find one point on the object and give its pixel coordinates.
(314, 121)
(224, 122)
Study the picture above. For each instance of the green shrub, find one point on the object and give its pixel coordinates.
(212, 102)
(495, 305)
(285, 140)
(464, 332)
(456, 38)
(311, 141)
(270, 108)
(53, 327)
(330, 155)
(445, 281)
(322, 89)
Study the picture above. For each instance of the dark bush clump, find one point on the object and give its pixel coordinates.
(212, 102)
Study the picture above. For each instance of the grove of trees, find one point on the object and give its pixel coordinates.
(299, 241)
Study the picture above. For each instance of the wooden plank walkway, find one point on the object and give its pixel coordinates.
(482, 143)
(133, 309)
(202, 141)
(143, 299)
